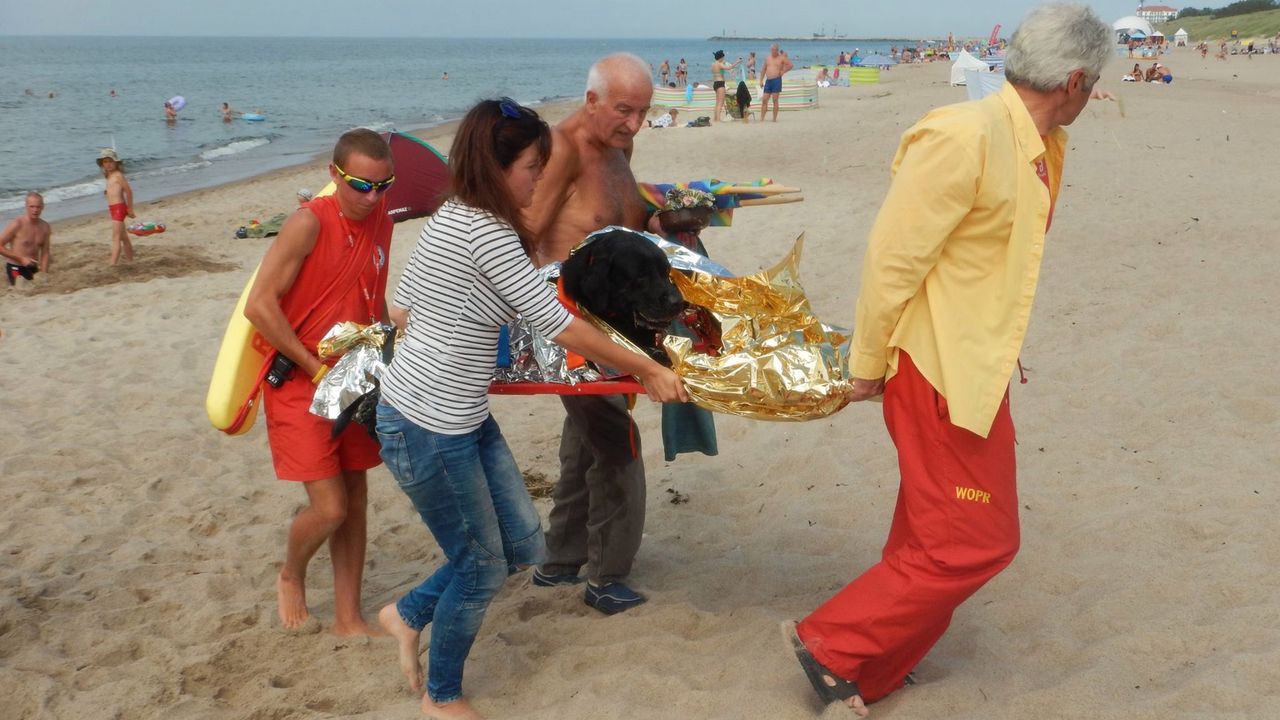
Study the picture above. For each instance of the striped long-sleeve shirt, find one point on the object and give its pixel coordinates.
(468, 276)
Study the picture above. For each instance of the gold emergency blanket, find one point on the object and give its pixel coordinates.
(356, 372)
(777, 361)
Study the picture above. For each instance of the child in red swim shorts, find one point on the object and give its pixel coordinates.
(119, 203)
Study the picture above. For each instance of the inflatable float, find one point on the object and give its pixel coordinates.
(147, 228)
(241, 366)
(253, 117)
(177, 102)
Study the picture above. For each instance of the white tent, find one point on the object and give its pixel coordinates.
(1180, 38)
(963, 62)
(1132, 22)
(982, 83)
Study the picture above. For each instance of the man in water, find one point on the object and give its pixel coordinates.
(947, 285)
(774, 67)
(25, 242)
(328, 265)
(598, 516)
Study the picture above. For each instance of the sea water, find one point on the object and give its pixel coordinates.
(309, 89)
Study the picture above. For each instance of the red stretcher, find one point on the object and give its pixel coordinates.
(624, 386)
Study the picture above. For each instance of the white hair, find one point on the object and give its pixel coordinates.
(611, 69)
(1055, 40)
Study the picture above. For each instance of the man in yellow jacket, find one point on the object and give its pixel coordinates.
(947, 286)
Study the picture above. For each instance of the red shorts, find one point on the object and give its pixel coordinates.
(119, 211)
(301, 448)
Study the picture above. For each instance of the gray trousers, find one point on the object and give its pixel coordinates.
(598, 514)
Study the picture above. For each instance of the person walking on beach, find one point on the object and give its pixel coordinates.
(718, 67)
(119, 204)
(328, 265)
(664, 70)
(947, 286)
(682, 73)
(774, 67)
(25, 242)
(597, 519)
(469, 276)
(751, 65)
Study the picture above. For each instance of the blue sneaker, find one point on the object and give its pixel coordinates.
(541, 579)
(612, 598)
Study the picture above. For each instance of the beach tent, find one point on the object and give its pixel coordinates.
(422, 178)
(981, 83)
(1180, 38)
(965, 61)
(1130, 23)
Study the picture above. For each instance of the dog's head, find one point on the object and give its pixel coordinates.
(624, 279)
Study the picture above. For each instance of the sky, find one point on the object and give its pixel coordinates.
(522, 18)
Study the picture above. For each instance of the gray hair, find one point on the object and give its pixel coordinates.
(1055, 40)
(33, 193)
(613, 68)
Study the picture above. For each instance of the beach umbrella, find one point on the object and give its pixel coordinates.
(876, 61)
(1137, 35)
(422, 178)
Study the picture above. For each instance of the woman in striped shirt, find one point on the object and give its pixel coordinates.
(469, 275)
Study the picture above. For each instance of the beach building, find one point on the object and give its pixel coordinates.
(1157, 13)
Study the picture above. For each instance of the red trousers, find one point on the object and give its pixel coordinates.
(954, 528)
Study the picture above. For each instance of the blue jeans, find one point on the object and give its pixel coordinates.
(471, 495)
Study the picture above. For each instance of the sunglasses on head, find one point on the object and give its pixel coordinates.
(361, 185)
(510, 108)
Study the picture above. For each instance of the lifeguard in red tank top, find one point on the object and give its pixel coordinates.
(304, 450)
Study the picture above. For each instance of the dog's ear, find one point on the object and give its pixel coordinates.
(586, 276)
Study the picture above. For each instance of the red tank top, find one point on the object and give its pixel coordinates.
(340, 243)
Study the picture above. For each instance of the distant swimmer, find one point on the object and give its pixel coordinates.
(119, 203)
(25, 242)
(112, 93)
(53, 94)
(170, 114)
(227, 111)
(445, 76)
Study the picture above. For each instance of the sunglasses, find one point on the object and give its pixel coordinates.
(510, 108)
(363, 186)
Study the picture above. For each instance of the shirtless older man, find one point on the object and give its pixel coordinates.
(774, 66)
(598, 516)
(25, 242)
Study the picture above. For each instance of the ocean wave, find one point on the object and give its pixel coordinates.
(173, 169)
(57, 194)
(233, 148)
(88, 188)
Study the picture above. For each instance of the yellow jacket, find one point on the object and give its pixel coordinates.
(954, 255)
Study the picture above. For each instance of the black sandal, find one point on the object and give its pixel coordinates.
(829, 686)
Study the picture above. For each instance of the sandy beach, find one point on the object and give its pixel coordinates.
(140, 545)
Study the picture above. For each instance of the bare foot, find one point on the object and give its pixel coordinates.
(859, 708)
(292, 599)
(457, 710)
(357, 627)
(407, 642)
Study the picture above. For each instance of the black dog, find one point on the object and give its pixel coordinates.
(625, 280)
